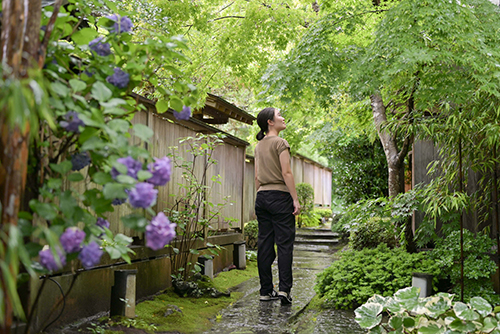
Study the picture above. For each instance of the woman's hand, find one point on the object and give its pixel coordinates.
(296, 207)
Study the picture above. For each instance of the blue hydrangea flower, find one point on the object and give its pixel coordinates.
(101, 222)
(161, 170)
(143, 195)
(48, 261)
(80, 160)
(72, 122)
(184, 114)
(90, 255)
(119, 79)
(122, 23)
(102, 49)
(118, 201)
(133, 166)
(159, 232)
(72, 239)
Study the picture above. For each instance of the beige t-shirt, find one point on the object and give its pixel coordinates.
(267, 161)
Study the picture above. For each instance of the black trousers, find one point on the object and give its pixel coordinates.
(274, 210)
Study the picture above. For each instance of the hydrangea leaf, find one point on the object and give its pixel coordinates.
(143, 131)
(161, 106)
(368, 315)
(114, 190)
(77, 85)
(135, 221)
(84, 36)
(62, 168)
(100, 92)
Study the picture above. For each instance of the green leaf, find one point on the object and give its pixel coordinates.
(396, 322)
(161, 106)
(76, 177)
(114, 190)
(77, 85)
(125, 179)
(102, 178)
(489, 324)
(119, 125)
(142, 131)
(368, 315)
(463, 312)
(461, 326)
(44, 210)
(100, 92)
(135, 222)
(176, 103)
(431, 328)
(54, 183)
(60, 89)
(62, 168)
(481, 305)
(84, 36)
(93, 143)
(143, 175)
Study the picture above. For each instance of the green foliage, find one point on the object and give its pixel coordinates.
(305, 193)
(437, 314)
(251, 232)
(358, 275)
(373, 232)
(359, 166)
(478, 265)
(310, 219)
(323, 212)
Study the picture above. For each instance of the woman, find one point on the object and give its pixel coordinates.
(276, 205)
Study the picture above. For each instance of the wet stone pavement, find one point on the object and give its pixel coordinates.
(313, 251)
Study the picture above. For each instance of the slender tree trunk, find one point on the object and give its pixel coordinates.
(395, 158)
(19, 44)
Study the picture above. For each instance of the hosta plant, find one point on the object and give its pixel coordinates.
(438, 314)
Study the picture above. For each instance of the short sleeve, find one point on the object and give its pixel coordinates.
(282, 145)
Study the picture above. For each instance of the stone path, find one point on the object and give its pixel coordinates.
(314, 250)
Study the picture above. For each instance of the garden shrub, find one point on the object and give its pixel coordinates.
(310, 219)
(372, 232)
(478, 265)
(251, 232)
(323, 212)
(305, 194)
(358, 275)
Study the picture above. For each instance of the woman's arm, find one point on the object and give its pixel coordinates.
(286, 171)
(257, 183)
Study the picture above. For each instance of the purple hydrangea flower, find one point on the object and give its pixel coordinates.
(101, 222)
(133, 166)
(159, 232)
(48, 261)
(184, 114)
(80, 160)
(161, 170)
(72, 122)
(72, 239)
(90, 255)
(118, 201)
(120, 78)
(102, 49)
(122, 23)
(143, 195)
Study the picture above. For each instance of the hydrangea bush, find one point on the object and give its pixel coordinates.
(89, 75)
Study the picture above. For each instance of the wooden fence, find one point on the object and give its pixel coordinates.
(236, 171)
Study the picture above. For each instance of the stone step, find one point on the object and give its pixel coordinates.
(324, 235)
(316, 241)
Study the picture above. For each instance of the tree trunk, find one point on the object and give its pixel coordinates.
(19, 42)
(395, 159)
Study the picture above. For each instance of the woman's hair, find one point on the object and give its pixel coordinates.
(262, 118)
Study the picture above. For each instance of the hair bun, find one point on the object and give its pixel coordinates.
(260, 135)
